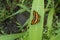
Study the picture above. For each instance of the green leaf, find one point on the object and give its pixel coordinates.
(11, 36)
(35, 31)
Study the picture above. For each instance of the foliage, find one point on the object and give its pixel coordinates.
(48, 28)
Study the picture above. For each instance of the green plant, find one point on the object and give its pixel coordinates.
(48, 28)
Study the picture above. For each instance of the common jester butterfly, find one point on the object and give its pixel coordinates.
(36, 18)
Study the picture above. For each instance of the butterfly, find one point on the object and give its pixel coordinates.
(36, 18)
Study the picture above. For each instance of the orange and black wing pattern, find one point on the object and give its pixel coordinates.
(36, 18)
